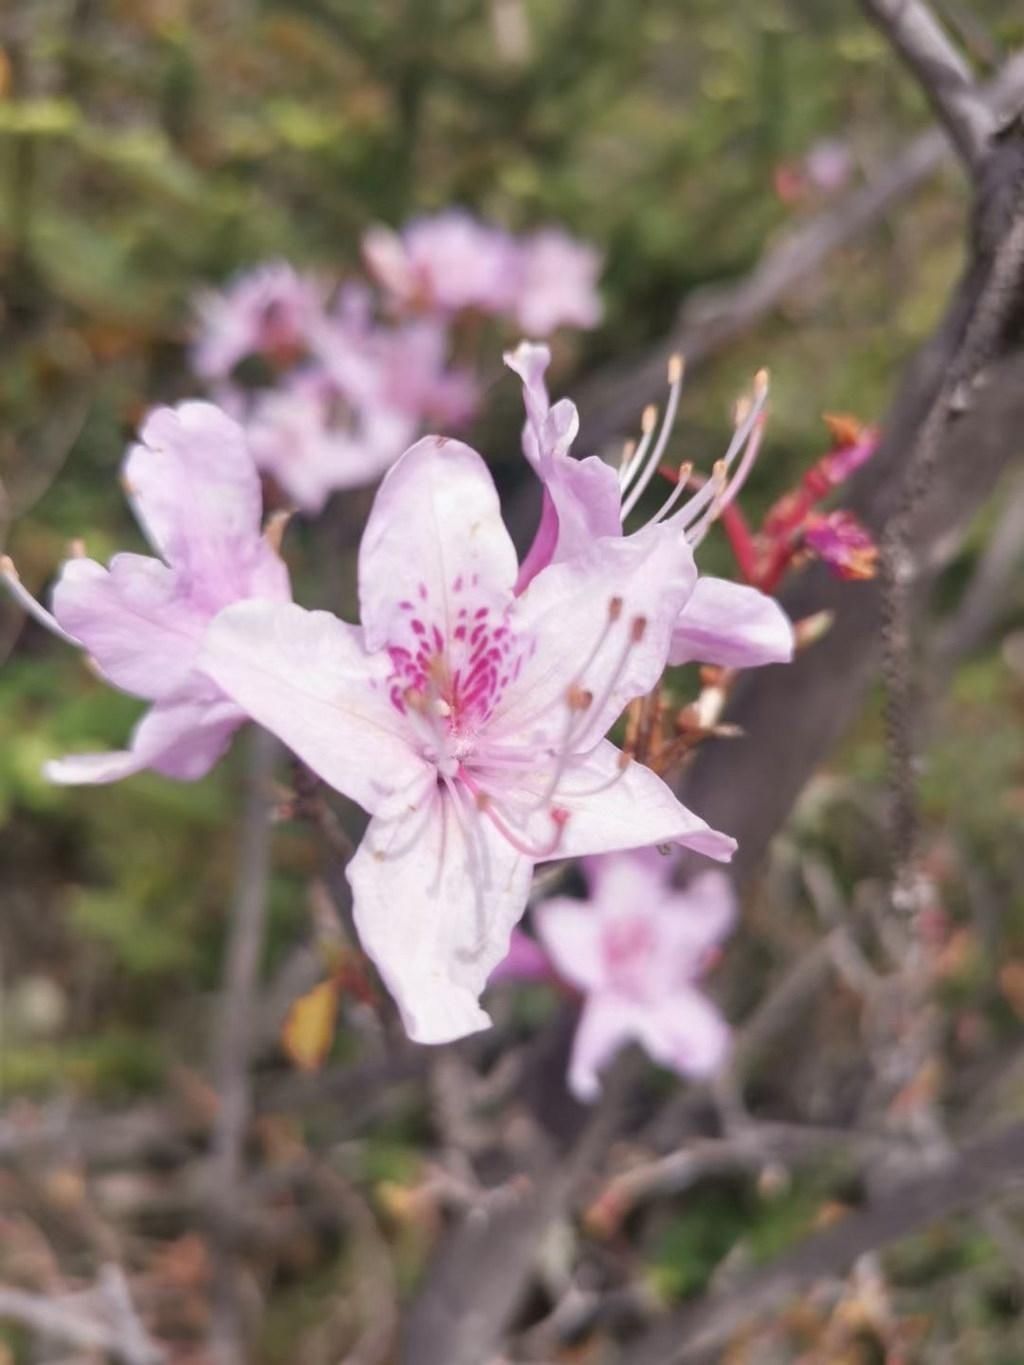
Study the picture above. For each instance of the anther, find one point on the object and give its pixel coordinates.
(648, 419)
(676, 368)
(614, 608)
(579, 698)
(638, 629)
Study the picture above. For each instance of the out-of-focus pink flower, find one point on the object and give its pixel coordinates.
(271, 311)
(526, 960)
(557, 283)
(636, 949)
(839, 539)
(306, 438)
(447, 262)
(828, 164)
(142, 620)
(467, 721)
(724, 623)
(365, 393)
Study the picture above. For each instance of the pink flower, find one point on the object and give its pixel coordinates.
(270, 311)
(557, 283)
(308, 438)
(365, 394)
(142, 620)
(467, 721)
(840, 540)
(636, 949)
(446, 261)
(721, 622)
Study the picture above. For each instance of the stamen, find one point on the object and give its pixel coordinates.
(715, 489)
(748, 422)
(621, 767)
(682, 482)
(468, 817)
(675, 379)
(486, 805)
(647, 424)
(25, 600)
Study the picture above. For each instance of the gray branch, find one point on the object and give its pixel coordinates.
(941, 71)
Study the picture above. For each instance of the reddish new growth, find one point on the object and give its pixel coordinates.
(796, 527)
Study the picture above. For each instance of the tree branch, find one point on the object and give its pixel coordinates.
(941, 71)
(986, 1169)
(82, 1320)
(241, 976)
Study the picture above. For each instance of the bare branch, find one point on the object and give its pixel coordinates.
(989, 1168)
(941, 71)
(100, 1320)
(245, 948)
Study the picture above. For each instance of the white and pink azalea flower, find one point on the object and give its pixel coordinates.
(445, 262)
(557, 283)
(196, 494)
(469, 722)
(721, 622)
(635, 950)
(365, 391)
(271, 311)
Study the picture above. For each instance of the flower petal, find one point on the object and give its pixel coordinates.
(570, 930)
(601, 624)
(305, 676)
(436, 893)
(612, 808)
(733, 625)
(685, 1033)
(195, 490)
(526, 960)
(581, 497)
(696, 919)
(606, 1025)
(136, 619)
(180, 738)
(435, 529)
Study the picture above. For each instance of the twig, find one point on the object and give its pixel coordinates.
(78, 1320)
(998, 297)
(982, 1171)
(241, 974)
(941, 71)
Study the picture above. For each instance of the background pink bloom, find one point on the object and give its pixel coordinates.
(271, 311)
(447, 261)
(557, 283)
(636, 949)
(196, 494)
(468, 722)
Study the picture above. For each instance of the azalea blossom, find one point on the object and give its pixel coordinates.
(721, 622)
(271, 311)
(635, 949)
(557, 283)
(142, 619)
(363, 394)
(469, 722)
(450, 262)
(447, 261)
